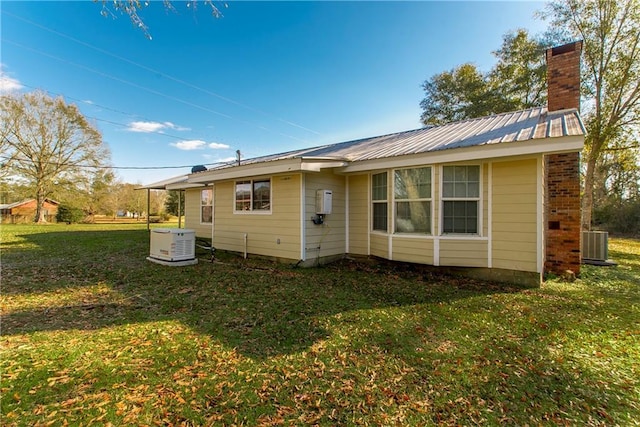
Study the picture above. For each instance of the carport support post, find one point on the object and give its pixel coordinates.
(180, 192)
(148, 207)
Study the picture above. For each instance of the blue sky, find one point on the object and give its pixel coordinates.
(266, 77)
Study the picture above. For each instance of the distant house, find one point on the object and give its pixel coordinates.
(496, 196)
(25, 211)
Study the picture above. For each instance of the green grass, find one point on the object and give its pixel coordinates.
(93, 333)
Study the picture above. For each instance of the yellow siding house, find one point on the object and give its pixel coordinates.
(470, 195)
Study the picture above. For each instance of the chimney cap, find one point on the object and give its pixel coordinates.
(566, 48)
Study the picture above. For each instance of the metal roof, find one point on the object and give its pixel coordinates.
(519, 126)
(161, 185)
(23, 202)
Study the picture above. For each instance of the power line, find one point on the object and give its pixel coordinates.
(111, 109)
(121, 167)
(153, 91)
(124, 113)
(167, 76)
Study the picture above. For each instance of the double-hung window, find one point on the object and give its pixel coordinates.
(253, 195)
(379, 199)
(460, 199)
(206, 206)
(412, 196)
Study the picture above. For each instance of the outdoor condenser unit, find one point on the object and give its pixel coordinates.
(595, 245)
(173, 244)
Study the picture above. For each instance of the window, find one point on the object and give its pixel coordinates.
(253, 195)
(379, 197)
(412, 195)
(460, 199)
(206, 206)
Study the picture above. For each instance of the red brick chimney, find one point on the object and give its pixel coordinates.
(562, 171)
(563, 76)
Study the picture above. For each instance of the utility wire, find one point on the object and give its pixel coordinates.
(111, 109)
(156, 72)
(153, 91)
(120, 167)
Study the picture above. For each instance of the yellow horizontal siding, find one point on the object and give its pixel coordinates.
(359, 214)
(274, 234)
(380, 245)
(463, 253)
(192, 213)
(514, 217)
(418, 250)
(330, 236)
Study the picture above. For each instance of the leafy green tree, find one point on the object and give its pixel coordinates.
(132, 200)
(610, 31)
(458, 94)
(519, 76)
(174, 199)
(516, 82)
(69, 214)
(47, 142)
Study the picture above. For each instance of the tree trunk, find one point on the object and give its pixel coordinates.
(587, 197)
(40, 217)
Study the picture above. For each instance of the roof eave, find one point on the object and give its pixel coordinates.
(162, 185)
(465, 154)
(295, 164)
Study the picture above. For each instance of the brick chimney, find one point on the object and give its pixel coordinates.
(563, 76)
(562, 171)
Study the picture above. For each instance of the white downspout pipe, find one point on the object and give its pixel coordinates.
(245, 245)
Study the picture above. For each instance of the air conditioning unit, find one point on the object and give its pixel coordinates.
(595, 245)
(172, 244)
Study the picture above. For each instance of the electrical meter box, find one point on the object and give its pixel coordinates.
(323, 202)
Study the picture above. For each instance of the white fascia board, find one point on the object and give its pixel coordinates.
(315, 166)
(161, 185)
(248, 170)
(296, 164)
(182, 186)
(563, 144)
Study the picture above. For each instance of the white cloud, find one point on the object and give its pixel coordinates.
(8, 84)
(218, 146)
(198, 144)
(148, 127)
(193, 144)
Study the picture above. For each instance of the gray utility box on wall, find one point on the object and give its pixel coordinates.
(323, 202)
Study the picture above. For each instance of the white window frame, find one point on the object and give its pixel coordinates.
(385, 201)
(203, 205)
(422, 199)
(478, 201)
(251, 209)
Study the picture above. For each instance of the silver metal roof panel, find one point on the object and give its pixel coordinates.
(518, 126)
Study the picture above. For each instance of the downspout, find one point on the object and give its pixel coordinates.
(245, 245)
(213, 212)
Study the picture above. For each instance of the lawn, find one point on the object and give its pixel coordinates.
(93, 333)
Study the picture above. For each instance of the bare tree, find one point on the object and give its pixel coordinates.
(131, 8)
(48, 141)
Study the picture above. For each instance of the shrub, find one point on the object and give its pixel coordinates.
(69, 215)
(619, 218)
